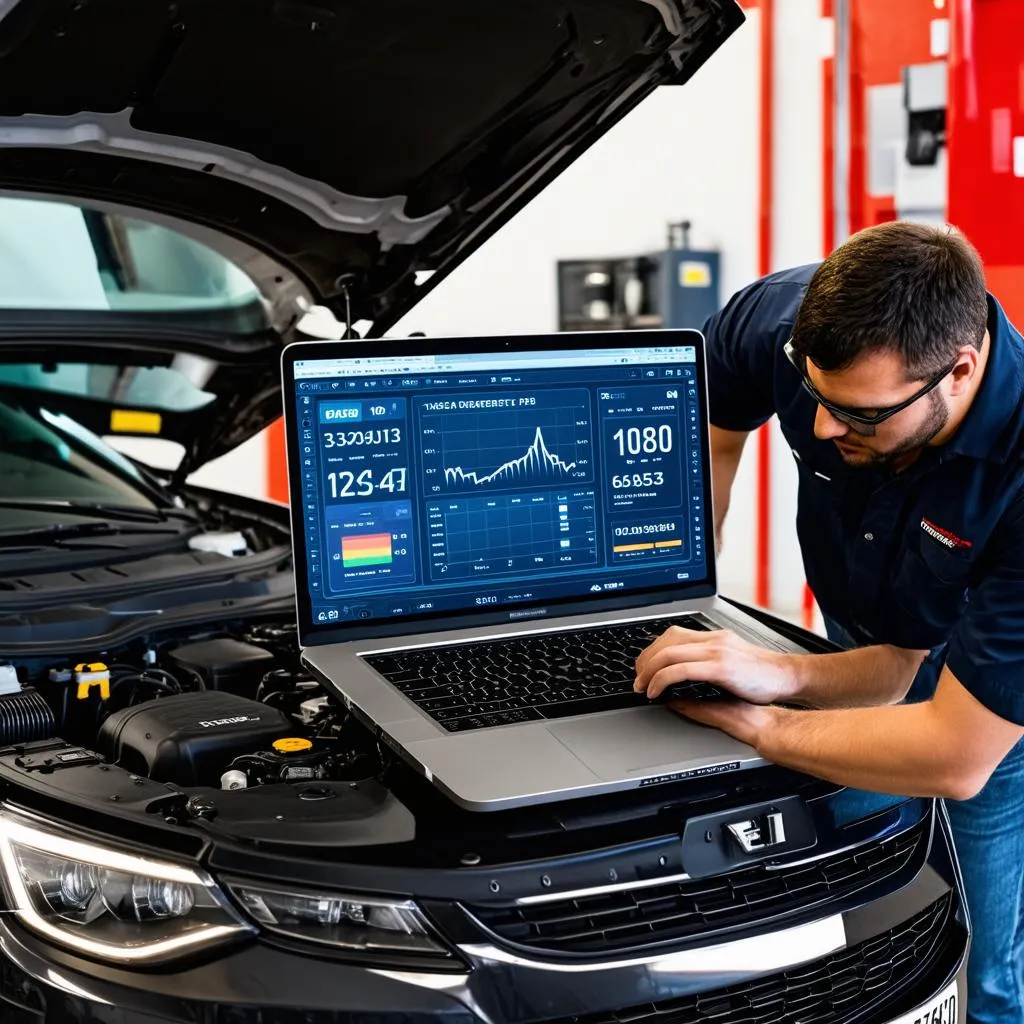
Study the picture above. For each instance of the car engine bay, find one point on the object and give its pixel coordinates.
(226, 728)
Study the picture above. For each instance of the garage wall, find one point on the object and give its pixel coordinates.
(802, 41)
(243, 471)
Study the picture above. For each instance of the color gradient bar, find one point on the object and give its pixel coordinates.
(632, 547)
(366, 549)
(668, 544)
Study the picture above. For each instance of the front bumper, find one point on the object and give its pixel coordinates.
(869, 965)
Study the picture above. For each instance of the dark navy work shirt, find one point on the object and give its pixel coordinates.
(931, 555)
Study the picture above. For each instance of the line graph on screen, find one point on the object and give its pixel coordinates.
(481, 451)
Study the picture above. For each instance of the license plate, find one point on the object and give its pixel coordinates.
(940, 1010)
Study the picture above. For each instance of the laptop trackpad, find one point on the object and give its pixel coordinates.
(640, 741)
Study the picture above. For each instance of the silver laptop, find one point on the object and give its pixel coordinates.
(487, 531)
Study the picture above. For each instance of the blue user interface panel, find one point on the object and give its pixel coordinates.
(447, 484)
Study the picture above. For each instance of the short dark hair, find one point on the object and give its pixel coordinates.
(912, 289)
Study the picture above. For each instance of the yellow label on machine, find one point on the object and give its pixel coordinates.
(135, 421)
(695, 274)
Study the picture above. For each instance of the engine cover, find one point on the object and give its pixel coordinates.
(188, 739)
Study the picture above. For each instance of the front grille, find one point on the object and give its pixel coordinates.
(639, 917)
(21, 999)
(11, 1014)
(876, 979)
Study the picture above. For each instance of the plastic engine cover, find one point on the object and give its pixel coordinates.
(190, 738)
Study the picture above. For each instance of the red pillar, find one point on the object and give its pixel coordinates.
(985, 116)
(277, 470)
(762, 568)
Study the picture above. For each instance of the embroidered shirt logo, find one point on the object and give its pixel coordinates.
(950, 540)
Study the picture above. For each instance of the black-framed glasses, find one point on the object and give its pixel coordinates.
(860, 423)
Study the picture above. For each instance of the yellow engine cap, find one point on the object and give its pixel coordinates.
(291, 745)
(92, 666)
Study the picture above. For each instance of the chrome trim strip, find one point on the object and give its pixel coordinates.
(838, 852)
(773, 951)
(603, 890)
(598, 890)
(70, 988)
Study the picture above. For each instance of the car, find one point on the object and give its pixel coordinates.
(191, 828)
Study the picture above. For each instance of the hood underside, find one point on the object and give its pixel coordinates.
(331, 151)
(356, 141)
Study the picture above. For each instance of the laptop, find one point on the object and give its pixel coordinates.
(487, 532)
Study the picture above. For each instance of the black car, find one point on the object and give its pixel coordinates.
(180, 183)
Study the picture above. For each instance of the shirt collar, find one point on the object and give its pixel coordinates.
(987, 431)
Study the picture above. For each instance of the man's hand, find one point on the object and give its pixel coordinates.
(720, 657)
(748, 723)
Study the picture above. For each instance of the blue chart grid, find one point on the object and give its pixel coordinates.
(547, 444)
(488, 537)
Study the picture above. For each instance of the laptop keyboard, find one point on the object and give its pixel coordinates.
(530, 678)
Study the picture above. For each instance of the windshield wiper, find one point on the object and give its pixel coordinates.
(58, 534)
(118, 513)
(55, 532)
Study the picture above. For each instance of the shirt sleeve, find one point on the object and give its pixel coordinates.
(986, 651)
(742, 343)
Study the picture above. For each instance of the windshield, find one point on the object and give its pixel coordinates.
(47, 456)
(59, 256)
(174, 388)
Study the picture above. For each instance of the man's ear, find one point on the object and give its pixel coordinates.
(965, 371)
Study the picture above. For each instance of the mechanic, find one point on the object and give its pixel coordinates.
(898, 383)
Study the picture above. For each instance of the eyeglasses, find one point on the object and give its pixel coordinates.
(861, 424)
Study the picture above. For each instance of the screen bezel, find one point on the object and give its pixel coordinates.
(316, 634)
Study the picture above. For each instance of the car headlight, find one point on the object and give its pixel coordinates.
(359, 923)
(106, 903)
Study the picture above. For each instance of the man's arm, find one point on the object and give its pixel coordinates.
(726, 449)
(742, 342)
(880, 674)
(947, 747)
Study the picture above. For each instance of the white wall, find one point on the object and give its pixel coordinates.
(801, 40)
(242, 471)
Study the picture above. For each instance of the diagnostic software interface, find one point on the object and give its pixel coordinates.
(451, 483)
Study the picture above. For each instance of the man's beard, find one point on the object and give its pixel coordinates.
(938, 416)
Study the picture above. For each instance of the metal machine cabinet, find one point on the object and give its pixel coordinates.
(689, 281)
(678, 287)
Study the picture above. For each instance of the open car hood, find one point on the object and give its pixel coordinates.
(335, 149)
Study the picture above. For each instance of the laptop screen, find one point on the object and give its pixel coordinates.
(503, 482)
